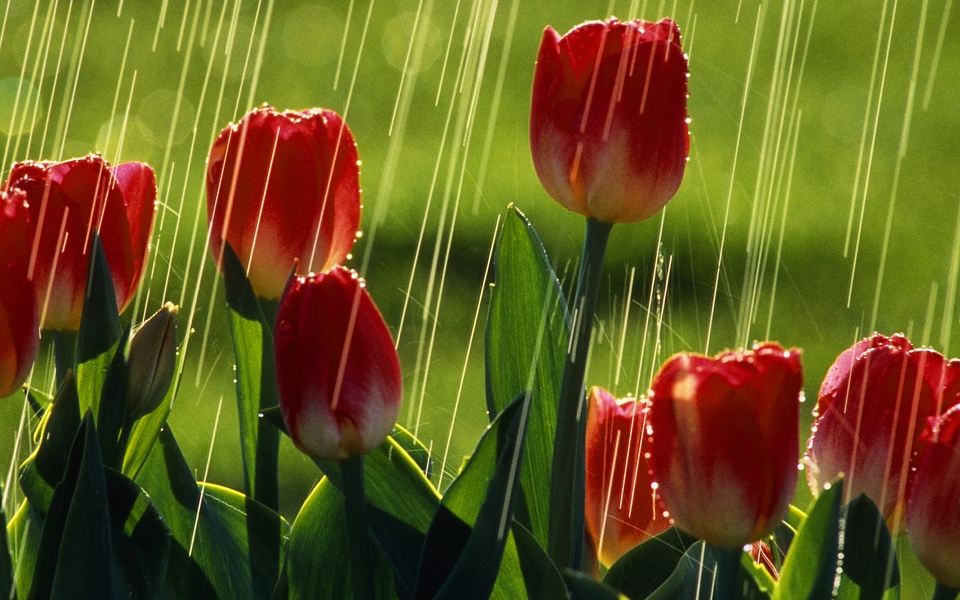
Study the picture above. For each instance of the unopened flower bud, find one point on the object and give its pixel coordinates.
(152, 362)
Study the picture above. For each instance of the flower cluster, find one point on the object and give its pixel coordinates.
(50, 211)
(283, 190)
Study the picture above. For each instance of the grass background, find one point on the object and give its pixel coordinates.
(164, 78)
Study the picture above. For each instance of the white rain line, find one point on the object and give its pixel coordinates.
(423, 226)
(3, 27)
(901, 153)
(873, 141)
(446, 55)
(183, 23)
(928, 320)
(49, 24)
(343, 44)
(758, 28)
(20, 80)
(657, 269)
(56, 77)
(76, 81)
(783, 221)
(863, 137)
(626, 323)
(757, 232)
(395, 147)
(661, 309)
(406, 65)
(466, 360)
(935, 62)
(951, 296)
(203, 484)
(161, 19)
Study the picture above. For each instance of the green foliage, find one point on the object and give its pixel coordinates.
(224, 544)
(643, 569)
(526, 342)
(465, 544)
(811, 564)
(252, 335)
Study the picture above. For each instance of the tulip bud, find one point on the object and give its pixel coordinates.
(608, 118)
(19, 318)
(622, 509)
(933, 521)
(725, 436)
(68, 201)
(338, 376)
(872, 408)
(284, 187)
(152, 362)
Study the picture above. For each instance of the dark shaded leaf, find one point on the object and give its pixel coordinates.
(584, 587)
(540, 576)
(644, 568)
(74, 558)
(221, 540)
(869, 558)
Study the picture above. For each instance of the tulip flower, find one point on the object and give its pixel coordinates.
(725, 441)
(19, 318)
(622, 509)
(873, 406)
(152, 362)
(338, 376)
(933, 521)
(68, 201)
(284, 187)
(608, 118)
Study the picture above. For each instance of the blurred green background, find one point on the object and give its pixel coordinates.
(825, 162)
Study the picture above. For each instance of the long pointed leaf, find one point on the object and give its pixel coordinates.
(526, 342)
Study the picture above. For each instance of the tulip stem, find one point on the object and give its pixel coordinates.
(943, 592)
(266, 485)
(565, 534)
(64, 352)
(358, 539)
(727, 574)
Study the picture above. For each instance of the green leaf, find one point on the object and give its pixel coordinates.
(811, 565)
(526, 342)
(100, 330)
(540, 576)
(252, 335)
(584, 587)
(144, 434)
(644, 568)
(414, 448)
(464, 547)
(224, 545)
(869, 558)
(112, 409)
(317, 565)
(401, 503)
(6, 566)
(78, 518)
(23, 532)
(695, 578)
(44, 469)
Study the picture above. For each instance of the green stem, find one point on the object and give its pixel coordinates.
(358, 539)
(943, 592)
(64, 352)
(727, 574)
(266, 487)
(565, 534)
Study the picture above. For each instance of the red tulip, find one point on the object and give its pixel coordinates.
(725, 436)
(68, 201)
(338, 376)
(608, 121)
(933, 518)
(873, 405)
(284, 187)
(622, 509)
(19, 318)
